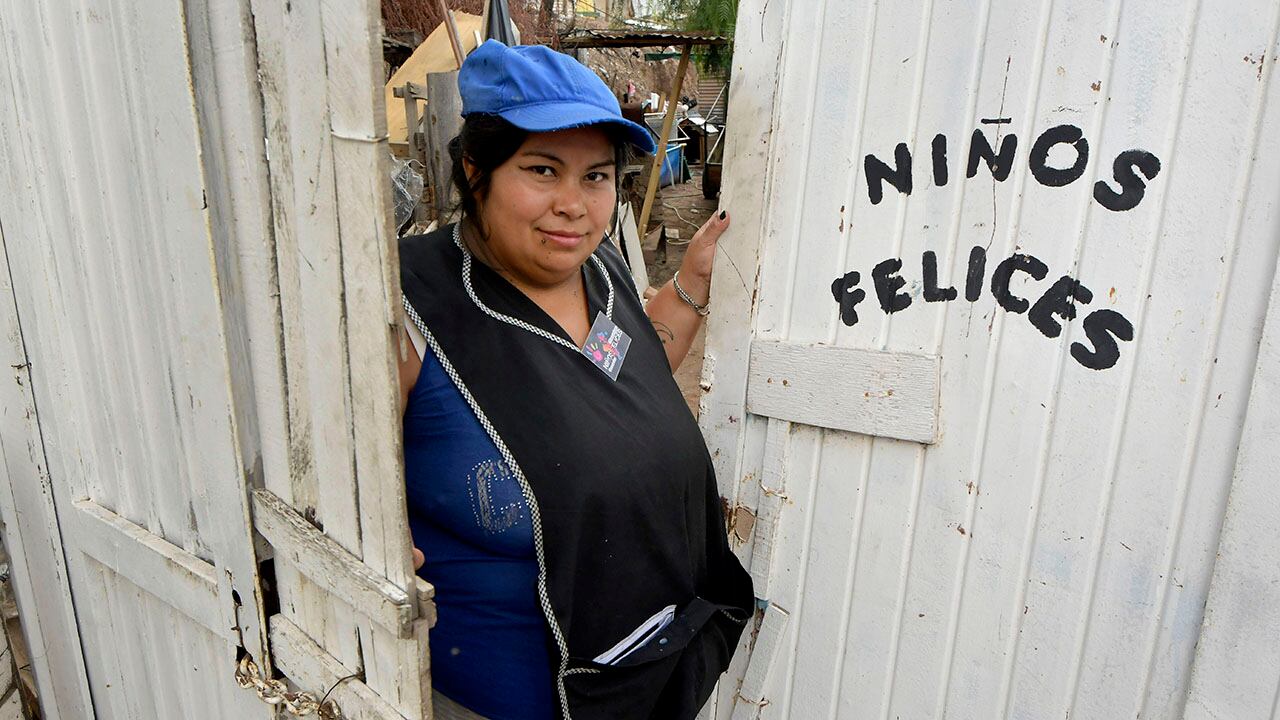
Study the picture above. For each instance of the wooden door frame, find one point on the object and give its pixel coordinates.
(735, 439)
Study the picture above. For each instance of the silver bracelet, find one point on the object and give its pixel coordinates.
(702, 310)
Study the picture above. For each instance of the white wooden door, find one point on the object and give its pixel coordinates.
(987, 325)
(197, 231)
(316, 275)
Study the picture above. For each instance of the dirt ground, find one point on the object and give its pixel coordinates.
(680, 209)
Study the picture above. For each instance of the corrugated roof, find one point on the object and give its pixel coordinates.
(588, 38)
(709, 90)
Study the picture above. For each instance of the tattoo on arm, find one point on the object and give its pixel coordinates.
(664, 332)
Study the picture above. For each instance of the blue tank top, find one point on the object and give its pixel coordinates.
(489, 649)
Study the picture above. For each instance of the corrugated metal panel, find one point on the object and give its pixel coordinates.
(107, 237)
(163, 666)
(29, 519)
(711, 87)
(208, 294)
(112, 259)
(588, 37)
(1050, 554)
(1237, 666)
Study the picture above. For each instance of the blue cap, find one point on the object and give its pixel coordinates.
(538, 89)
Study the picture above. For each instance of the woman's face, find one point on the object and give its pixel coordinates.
(547, 206)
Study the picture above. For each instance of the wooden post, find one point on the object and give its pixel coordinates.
(411, 121)
(452, 31)
(654, 177)
(444, 121)
(412, 93)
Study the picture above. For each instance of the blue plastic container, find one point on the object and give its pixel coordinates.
(672, 166)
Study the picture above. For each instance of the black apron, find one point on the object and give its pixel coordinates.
(626, 515)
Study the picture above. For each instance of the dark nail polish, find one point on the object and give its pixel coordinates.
(721, 214)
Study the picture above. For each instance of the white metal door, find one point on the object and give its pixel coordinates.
(1237, 665)
(127, 440)
(967, 486)
(207, 306)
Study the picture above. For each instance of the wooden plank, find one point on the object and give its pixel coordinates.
(229, 108)
(443, 123)
(394, 661)
(161, 568)
(307, 255)
(338, 277)
(108, 656)
(454, 40)
(426, 594)
(416, 145)
(326, 563)
(245, 214)
(290, 43)
(398, 669)
(142, 381)
(874, 392)
(660, 156)
(195, 306)
(174, 349)
(630, 240)
(773, 496)
(129, 628)
(314, 670)
(133, 697)
(753, 109)
(370, 267)
(750, 700)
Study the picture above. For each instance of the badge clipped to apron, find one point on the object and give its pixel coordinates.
(606, 346)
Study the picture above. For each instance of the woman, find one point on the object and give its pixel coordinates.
(557, 482)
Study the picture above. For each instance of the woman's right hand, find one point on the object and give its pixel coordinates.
(418, 559)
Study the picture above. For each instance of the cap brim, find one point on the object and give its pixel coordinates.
(552, 116)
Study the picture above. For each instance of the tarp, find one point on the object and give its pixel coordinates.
(435, 54)
(501, 28)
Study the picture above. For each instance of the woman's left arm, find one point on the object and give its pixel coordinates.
(674, 319)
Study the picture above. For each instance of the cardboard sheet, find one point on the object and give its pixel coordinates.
(434, 55)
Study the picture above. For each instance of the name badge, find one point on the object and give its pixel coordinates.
(606, 346)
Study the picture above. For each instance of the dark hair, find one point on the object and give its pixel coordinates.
(488, 141)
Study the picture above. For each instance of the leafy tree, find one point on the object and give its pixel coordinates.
(716, 17)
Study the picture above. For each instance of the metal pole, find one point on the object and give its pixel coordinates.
(652, 191)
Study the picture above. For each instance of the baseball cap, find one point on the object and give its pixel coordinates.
(538, 89)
